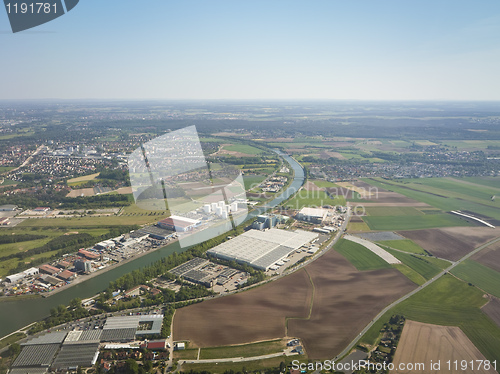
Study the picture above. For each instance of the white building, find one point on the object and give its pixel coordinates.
(262, 249)
(316, 215)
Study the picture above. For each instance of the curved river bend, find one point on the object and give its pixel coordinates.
(17, 313)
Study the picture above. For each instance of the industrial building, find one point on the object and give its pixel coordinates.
(154, 232)
(262, 249)
(88, 254)
(177, 223)
(315, 215)
(83, 266)
(204, 272)
(63, 350)
(8, 208)
(105, 244)
(126, 328)
(66, 275)
(268, 221)
(49, 269)
(14, 278)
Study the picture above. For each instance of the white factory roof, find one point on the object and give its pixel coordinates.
(185, 219)
(313, 212)
(261, 249)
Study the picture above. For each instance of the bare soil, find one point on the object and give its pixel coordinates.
(451, 243)
(345, 301)
(489, 256)
(423, 343)
(492, 310)
(258, 314)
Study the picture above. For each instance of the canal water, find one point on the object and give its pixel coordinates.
(17, 313)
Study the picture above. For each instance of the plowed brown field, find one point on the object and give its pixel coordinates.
(451, 243)
(424, 343)
(492, 310)
(489, 256)
(345, 300)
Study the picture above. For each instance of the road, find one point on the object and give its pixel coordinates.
(287, 352)
(429, 282)
(170, 344)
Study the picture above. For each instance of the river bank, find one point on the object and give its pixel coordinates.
(16, 313)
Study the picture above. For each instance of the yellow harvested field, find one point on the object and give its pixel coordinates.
(424, 343)
(81, 192)
(123, 190)
(364, 192)
(84, 178)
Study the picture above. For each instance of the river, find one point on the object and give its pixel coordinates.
(17, 313)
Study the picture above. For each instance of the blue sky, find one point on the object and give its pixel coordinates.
(272, 49)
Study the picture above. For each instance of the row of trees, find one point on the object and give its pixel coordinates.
(64, 244)
(62, 314)
(6, 239)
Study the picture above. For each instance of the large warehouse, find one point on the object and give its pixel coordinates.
(261, 249)
(316, 215)
(178, 223)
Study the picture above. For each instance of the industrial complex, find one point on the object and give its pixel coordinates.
(67, 350)
(262, 249)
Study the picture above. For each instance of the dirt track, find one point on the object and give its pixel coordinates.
(423, 343)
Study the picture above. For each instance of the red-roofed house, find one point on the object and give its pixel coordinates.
(157, 344)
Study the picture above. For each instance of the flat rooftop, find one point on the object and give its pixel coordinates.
(261, 249)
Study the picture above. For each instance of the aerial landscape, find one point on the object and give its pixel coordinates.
(221, 219)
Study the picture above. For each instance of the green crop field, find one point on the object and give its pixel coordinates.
(479, 275)
(455, 188)
(485, 181)
(51, 233)
(404, 244)
(392, 211)
(448, 302)
(357, 226)
(243, 148)
(445, 201)
(252, 181)
(305, 198)
(322, 183)
(428, 221)
(362, 258)
(4, 169)
(245, 350)
(418, 263)
(88, 221)
(410, 273)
